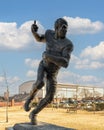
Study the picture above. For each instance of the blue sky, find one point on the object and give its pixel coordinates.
(20, 53)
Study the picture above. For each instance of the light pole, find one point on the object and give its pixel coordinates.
(7, 96)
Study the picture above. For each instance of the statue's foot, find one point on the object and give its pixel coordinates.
(26, 105)
(33, 119)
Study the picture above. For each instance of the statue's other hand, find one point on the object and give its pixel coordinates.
(34, 27)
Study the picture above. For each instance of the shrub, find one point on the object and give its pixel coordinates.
(99, 106)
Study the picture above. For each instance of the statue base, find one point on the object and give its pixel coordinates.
(40, 126)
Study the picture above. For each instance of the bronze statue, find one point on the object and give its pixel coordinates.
(57, 55)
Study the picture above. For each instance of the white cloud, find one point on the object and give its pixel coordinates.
(2, 79)
(14, 38)
(90, 58)
(89, 78)
(96, 65)
(33, 63)
(86, 63)
(94, 53)
(10, 80)
(89, 65)
(83, 25)
(68, 77)
(13, 80)
(31, 73)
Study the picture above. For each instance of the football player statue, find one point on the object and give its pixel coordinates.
(56, 55)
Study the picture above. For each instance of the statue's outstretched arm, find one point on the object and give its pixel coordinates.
(38, 37)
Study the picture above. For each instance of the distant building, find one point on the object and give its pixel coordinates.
(26, 87)
(62, 89)
(65, 90)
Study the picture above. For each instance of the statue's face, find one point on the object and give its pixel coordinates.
(62, 30)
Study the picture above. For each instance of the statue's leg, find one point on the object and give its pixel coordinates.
(32, 95)
(36, 86)
(51, 89)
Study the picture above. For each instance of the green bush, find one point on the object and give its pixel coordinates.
(99, 106)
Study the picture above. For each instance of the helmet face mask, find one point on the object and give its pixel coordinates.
(64, 26)
(59, 22)
(61, 27)
(61, 32)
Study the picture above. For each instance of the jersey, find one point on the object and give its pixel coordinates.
(58, 47)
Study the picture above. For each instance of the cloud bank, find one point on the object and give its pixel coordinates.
(83, 25)
(13, 37)
(90, 57)
(17, 38)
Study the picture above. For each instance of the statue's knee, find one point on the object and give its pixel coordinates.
(40, 84)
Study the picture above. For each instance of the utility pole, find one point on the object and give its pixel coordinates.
(7, 96)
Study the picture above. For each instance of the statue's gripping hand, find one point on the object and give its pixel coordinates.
(34, 27)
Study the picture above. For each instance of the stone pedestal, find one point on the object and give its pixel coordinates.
(40, 126)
